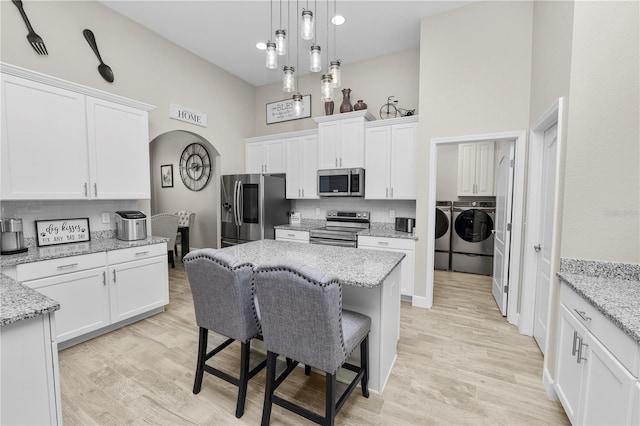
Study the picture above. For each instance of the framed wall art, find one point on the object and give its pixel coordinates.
(62, 231)
(166, 175)
(283, 110)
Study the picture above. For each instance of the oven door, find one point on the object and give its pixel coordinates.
(333, 183)
(326, 242)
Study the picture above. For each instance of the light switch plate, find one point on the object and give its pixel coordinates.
(392, 214)
(105, 217)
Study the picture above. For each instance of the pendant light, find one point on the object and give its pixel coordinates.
(272, 57)
(334, 68)
(281, 37)
(326, 89)
(297, 98)
(288, 82)
(315, 58)
(307, 24)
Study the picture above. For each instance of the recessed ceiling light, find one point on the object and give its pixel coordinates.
(261, 45)
(337, 20)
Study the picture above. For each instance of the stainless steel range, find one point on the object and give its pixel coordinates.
(341, 230)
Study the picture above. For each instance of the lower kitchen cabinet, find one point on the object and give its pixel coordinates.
(401, 245)
(593, 378)
(635, 404)
(292, 235)
(30, 388)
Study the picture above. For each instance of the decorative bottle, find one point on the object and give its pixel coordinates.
(346, 101)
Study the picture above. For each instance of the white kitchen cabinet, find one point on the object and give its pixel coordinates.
(341, 140)
(292, 235)
(400, 245)
(476, 169)
(635, 404)
(44, 142)
(595, 362)
(265, 156)
(30, 385)
(63, 141)
(118, 138)
(139, 280)
(390, 161)
(302, 167)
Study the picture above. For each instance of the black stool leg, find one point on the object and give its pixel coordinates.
(364, 364)
(330, 400)
(307, 370)
(202, 355)
(171, 260)
(269, 387)
(244, 377)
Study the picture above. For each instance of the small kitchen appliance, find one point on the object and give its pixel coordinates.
(131, 225)
(12, 238)
(405, 224)
(341, 183)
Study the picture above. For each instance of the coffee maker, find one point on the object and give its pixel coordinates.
(12, 239)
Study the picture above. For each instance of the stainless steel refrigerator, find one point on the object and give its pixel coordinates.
(252, 205)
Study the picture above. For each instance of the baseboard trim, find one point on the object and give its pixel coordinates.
(419, 302)
(549, 385)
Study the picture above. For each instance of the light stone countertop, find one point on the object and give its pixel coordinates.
(377, 229)
(352, 266)
(19, 302)
(612, 288)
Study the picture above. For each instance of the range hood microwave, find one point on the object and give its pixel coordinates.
(341, 183)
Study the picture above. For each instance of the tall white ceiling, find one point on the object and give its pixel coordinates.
(225, 32)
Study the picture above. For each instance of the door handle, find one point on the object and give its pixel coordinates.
(537, 248)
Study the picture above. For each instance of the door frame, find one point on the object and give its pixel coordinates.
(555, 114)
(519, 139)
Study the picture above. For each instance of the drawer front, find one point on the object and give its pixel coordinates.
(53, 267)
(621, 345)
(285, 234)
(136, 253)
(392, 243)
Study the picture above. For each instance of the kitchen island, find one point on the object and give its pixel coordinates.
(370, 285)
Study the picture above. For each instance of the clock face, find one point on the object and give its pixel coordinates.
(195, 167)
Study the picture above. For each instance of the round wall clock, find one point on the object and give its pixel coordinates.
(195, 167)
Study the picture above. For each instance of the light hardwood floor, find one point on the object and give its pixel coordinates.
(458, 363)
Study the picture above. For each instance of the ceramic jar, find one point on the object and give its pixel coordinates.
(359, 105)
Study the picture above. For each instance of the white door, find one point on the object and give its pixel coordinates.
(543, 248)
(502, 225)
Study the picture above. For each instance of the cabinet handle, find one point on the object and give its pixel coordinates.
(291, 235)
(582, 314)
(392, 192)
(386, 193)
(104, 278)
(71, 265)
(85, 189)
(303, 192)
(574, 349)
(298, 192)
(383, 243)
(265, 168)
(95, 189)
(340, 161)
(141, 253)
(114, 276)
(336, 161)
(579, 357)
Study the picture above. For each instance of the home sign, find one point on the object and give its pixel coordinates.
(181, 113)
(62, 231)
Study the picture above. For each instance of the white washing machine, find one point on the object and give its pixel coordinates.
(472, 236)
(442, 256)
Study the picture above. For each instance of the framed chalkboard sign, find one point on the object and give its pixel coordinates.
(62, 231)
(283, 110)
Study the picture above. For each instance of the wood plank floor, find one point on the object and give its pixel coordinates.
(458, 363)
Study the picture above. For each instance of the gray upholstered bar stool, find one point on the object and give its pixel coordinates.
(223, 299)
(302, 318)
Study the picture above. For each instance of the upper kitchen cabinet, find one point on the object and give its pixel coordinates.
(62, 141)
(341, 140)
(302, 166)
(265, 156)
(390, 159)
(476, 164)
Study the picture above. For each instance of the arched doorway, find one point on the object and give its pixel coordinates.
(165, 150)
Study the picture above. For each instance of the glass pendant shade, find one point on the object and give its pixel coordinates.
(326, 88)
(334, 70)
(315, 58)
(281, 42)
(307, 25)
(297, 104)
(288, 82)
(272, 57)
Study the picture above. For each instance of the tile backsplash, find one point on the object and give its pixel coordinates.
(379, 209)
(30, 211)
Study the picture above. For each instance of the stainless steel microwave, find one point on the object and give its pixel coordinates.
(341, 183)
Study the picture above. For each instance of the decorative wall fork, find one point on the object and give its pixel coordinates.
(36, 41)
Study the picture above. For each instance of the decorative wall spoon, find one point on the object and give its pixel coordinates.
(104, 69)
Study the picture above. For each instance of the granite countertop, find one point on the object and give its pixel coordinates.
(377, 229)
(37, 254)
(612, 288)
(19, 302)
(352, 266)
(304, 225)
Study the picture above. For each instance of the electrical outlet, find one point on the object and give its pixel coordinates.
(317, 212)
(105, 217)
(392, 214)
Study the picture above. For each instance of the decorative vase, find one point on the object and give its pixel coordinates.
(346, 101)
(328, 108)
(359, 105)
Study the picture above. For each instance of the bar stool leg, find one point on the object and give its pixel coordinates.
(307, 370)
(364, 363)
(330, 400)
(202, 357)
(269, 387)
(244, 378)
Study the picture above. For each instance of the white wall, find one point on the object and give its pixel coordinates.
(601, 216)
(167, 149)
(147, 68)
(475, 67)
(372, 81)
